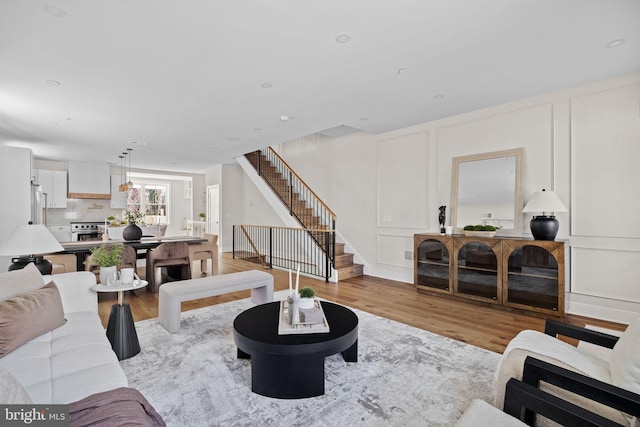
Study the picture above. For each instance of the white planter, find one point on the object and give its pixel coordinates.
(306, 303)
(105, 273)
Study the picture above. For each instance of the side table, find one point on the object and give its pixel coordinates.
(121, 330)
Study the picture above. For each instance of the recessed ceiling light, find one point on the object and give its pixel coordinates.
(616, 43)
(364, 119)
(53, 82)
(266, 85)
(54, 11)
(284, 118)
(438, 97)
(137, 143)
(257, 129)
(402, 70)
(343, 38)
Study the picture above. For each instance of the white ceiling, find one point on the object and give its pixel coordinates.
(186, 77)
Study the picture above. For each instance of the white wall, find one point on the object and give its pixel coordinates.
(15, 192)
(231, 179)
(582, 142)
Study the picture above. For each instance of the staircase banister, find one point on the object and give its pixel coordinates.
(333, 215)
(321, 230)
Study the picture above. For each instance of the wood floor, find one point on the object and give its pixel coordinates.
(478, 325)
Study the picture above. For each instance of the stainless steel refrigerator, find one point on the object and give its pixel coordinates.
(38, 202)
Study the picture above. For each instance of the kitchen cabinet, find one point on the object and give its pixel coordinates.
(501, 271)
(54, 184)
(118, 198)
(89, 181)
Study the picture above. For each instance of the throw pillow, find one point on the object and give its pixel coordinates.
(12, 392)
(27, 316)
(17, 282)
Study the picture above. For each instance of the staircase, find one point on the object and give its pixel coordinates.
(344, 266)
(304, 205)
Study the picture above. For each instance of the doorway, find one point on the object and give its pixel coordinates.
(213, 210)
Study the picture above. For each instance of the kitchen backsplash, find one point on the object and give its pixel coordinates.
(82, 210)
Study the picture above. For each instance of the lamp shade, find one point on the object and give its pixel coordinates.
(29, 239)
(544, 201)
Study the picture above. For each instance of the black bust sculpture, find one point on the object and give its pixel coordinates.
(442, 218)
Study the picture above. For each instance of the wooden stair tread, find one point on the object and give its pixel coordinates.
(343, 262)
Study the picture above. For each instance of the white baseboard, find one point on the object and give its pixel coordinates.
(602, 308)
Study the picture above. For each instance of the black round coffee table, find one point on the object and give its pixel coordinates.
(292, 366)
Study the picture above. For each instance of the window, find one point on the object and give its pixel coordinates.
(150, 199)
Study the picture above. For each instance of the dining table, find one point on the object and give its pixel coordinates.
(83, 249)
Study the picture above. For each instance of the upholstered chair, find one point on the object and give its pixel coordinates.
(526, 403)
(619, 367)
(205, 251)
(172, 259)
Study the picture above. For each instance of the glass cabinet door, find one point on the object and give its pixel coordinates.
(533, 277)
(433, 271)
(477, 270)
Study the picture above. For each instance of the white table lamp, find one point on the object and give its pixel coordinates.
(545, 226)
(28, 242)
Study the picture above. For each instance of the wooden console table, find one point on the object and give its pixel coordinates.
(511, 272)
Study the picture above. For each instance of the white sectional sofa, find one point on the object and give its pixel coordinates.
(71, 361)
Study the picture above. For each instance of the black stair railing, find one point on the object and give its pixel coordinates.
(284, 247)
(303, 204)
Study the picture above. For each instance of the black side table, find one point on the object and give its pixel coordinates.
(121, 331)
(292, 366)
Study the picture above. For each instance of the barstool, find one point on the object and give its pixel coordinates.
(172, 257)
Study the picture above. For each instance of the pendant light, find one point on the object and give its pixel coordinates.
(122, 187)
(129, 183)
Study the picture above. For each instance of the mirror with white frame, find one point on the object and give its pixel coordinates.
(486, 190)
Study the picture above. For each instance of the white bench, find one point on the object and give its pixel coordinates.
(174, 293)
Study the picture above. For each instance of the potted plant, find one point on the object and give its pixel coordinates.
(307, 298)
(108, 258)
(202, 216)
(132, 231)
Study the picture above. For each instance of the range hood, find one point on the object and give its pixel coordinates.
(89, 181)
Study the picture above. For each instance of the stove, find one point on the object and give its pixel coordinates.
(81, 231)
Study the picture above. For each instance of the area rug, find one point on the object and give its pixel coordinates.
(404, 376)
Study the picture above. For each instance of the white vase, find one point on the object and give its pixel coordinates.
(105, 273)
(307, 303)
